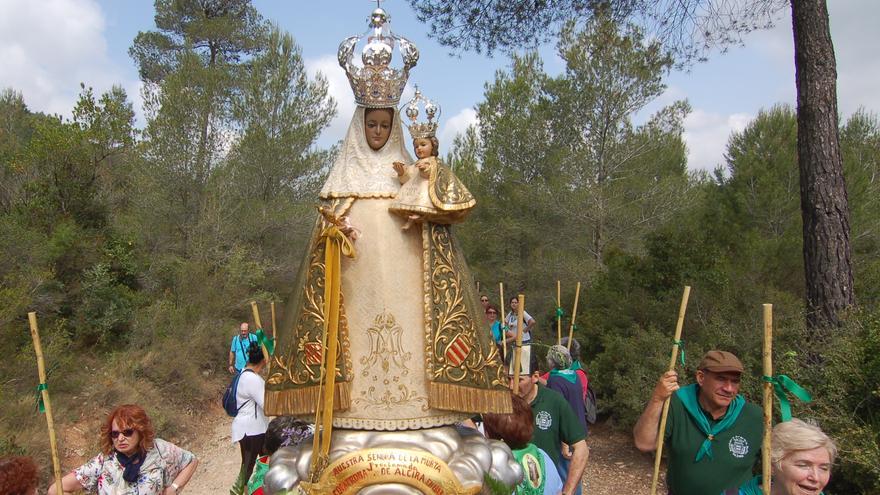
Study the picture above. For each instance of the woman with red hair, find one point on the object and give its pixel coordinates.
(18, 475)
(132, 460)
(540, 476)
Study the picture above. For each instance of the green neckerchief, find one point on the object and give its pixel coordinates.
(575, 365)
(526, 488)
(568, 374)
(688, 396)
(783, 384)
(753, 487)
(260, 470)
(269, 342)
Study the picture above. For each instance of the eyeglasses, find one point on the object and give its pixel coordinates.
(127, 433)
(491, 313)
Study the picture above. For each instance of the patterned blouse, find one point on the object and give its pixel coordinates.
(103, 474)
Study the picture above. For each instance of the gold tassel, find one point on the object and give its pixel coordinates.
(461, 398)
(303, 401)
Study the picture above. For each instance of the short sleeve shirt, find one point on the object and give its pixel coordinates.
(555, 423)
(496, 331)
(239, 347)
(734, 451)
(103, 474)
(512, 322)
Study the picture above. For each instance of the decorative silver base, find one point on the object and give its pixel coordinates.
(396, 463)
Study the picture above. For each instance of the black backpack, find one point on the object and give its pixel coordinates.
(590, 408)
(229, 403)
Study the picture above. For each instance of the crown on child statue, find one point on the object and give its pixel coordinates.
(375, 83)
(419, 105)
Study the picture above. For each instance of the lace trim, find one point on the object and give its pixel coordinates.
(398, 424)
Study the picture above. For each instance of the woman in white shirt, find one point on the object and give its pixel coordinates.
(512, 322)
(249, 425)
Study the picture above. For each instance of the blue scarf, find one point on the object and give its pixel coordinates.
(688, 396)
(131, 465)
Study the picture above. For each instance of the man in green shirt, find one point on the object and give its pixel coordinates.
(712, 435)
(557, 430)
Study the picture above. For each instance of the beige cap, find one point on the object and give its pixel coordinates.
(720, 362)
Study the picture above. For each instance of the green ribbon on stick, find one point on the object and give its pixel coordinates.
(782, 386)
(559, 313)
(680, 344)
(41, 406)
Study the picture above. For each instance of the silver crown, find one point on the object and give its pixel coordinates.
(376, 84)
(420, 105)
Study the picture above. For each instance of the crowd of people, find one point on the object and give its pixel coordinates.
(712, 435)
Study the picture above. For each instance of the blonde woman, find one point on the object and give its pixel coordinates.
(801, 456)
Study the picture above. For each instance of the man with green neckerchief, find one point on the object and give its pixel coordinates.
(713, 437)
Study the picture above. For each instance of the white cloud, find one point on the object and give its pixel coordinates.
(48, 47)
(339, 89)
(853, 27)
(706, 135)
(853, 31)
(454, 126)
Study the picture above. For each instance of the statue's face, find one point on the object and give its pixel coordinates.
(377, 126)
(423, 148)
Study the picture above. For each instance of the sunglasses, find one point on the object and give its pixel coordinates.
(491, 313)
(127, 433)
(484, 300)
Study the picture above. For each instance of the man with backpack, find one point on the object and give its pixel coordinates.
(238, 350)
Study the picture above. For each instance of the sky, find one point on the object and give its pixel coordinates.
(49, 47)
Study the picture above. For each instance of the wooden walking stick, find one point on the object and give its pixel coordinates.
(272, 308)
(44, 394)
(577, 294)
(502, 323)
(768, 398)
(256, 311)
(517, 351)
(676, 344)
(558, 313)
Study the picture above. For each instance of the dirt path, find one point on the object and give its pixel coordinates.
(219, 458)
(615, 466)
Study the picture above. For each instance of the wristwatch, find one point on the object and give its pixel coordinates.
(176, 488)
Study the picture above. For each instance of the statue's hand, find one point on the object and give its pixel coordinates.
(348, 229)
(424, 167)
(399, 168)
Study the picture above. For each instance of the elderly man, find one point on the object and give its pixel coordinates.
(712, 435)
(238, 349)
(557, 430)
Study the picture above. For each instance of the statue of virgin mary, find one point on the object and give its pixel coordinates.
(411, 350)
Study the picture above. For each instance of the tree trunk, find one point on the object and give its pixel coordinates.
(824, 207)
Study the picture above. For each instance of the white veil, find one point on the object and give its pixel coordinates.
(361, 172)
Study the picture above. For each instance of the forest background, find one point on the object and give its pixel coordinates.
(140, 249)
